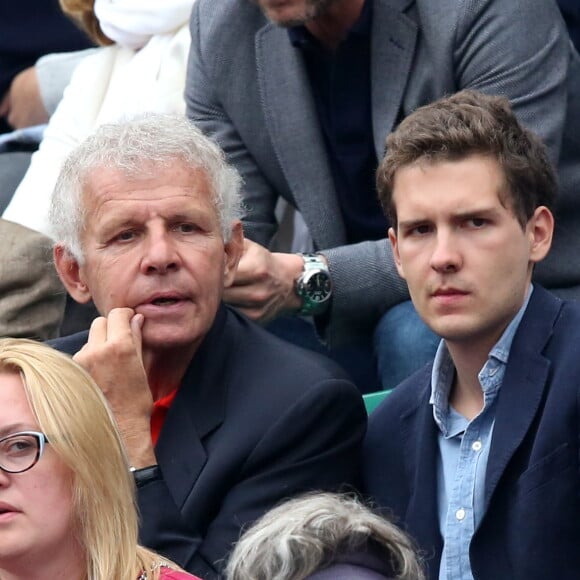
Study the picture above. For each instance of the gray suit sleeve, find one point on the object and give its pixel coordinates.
(519, 49)
(206, 110)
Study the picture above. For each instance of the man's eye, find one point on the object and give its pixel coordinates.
(186, 228)
(125, 236)
(476, 222)
(420, 230)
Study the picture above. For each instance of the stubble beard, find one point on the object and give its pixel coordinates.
(313, 9)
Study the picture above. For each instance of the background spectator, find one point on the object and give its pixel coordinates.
(143, 69)
(323, 536)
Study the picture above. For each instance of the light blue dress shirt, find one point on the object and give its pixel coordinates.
(464, 451)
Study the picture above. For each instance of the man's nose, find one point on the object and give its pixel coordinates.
(161, 255)
(446, 256)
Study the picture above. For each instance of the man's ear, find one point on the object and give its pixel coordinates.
(396, 256)
(71, 274)
(233, 250)
(540, 228)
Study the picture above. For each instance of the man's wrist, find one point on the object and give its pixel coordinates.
(138, 444)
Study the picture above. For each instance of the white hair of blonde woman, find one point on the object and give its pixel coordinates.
(137, 147)
(69, 407)
(304, 535)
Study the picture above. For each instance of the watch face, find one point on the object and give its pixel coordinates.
(317, 287)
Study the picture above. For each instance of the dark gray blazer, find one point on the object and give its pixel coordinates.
(248, 88)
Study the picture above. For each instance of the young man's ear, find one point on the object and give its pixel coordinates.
(394, 244)
(540, 228)
(233, 250)
(71, 274)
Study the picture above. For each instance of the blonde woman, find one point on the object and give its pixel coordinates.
(66, 495)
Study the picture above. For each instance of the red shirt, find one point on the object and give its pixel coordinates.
(160, 409)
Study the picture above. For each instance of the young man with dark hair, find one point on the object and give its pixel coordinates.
(477, 454)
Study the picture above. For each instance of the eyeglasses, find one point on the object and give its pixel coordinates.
(21, 451)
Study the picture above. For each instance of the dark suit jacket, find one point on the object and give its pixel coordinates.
(571, 12)
(531, 528)
(256, 420)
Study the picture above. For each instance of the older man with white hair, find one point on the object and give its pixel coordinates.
(220, 419)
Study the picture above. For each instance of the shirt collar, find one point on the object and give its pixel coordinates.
(444, 370)
(502, 347)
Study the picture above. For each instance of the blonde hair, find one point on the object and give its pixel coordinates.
(72, 411)
(308, 533)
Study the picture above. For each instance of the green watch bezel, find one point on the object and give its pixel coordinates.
(314, 266)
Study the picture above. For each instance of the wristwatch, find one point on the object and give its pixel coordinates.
(314, 285)
(145, 475)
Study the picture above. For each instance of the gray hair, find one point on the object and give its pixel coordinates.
(305, 534)
(136, 147)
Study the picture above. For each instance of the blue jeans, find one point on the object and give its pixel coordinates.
(403, 344)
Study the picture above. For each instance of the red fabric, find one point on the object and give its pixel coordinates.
(167, 574)
(160, 409)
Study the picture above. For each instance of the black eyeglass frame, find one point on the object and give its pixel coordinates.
(42, 441)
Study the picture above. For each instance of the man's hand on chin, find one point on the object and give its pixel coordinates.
(113, 357)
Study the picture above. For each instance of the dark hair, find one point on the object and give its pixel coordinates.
(471, 123)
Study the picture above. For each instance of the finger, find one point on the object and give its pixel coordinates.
(119, 324)
(254, 267)
(136, 329)
(245, 273)
(81, 357)
(98, 331)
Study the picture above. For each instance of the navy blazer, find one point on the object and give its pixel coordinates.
(256, 420)
(531, 526)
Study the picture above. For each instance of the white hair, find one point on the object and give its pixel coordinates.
(137, 147)
(306, 534)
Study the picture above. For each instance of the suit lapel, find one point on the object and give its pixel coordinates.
(292, 123)
(394, 36)
(421, 452)
(523, 386)
(198, 409)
